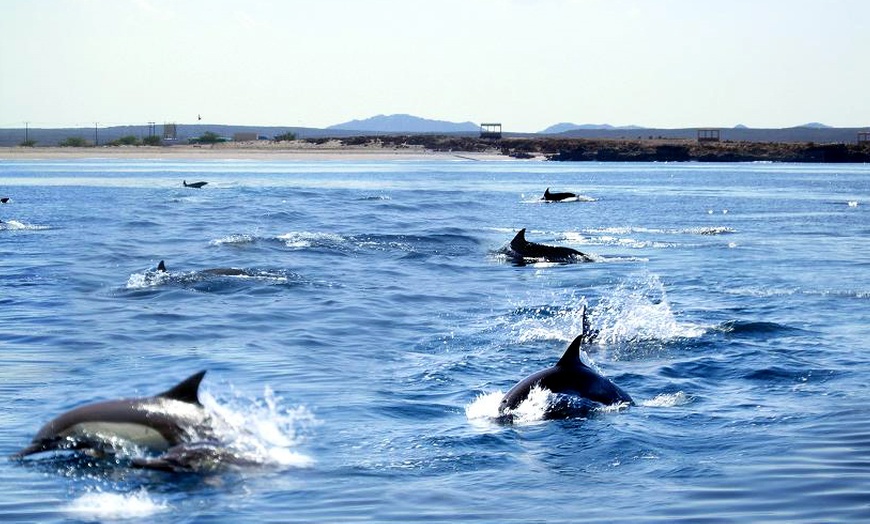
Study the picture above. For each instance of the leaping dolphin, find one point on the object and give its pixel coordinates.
(156, 423)
(521, 249)
(557, 197)
(570, 376)
(196, 185)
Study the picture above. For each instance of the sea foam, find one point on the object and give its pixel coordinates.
(98, 505)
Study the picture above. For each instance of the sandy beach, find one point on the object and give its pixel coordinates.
(296, 151)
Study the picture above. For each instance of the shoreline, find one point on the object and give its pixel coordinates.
(243, 152)
(447, 148)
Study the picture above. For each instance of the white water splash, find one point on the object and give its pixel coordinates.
(147, 279)
(15, 225)
(484, 410)
(533, 408)
(637, 311)
(667, 400)
(97, 505)
(263, 430)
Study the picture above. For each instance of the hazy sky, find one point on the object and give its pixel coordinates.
(526, 63)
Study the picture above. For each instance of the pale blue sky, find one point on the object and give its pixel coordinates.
(526, 63)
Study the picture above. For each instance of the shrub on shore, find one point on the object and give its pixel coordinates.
(209, 137)
(285, 137)
(128, 140)
(74, 141)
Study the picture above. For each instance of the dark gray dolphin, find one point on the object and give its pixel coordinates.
(4, 200)
(156, 423)
(219, 271)
(557, 197)
(570, 376)
(521, 249)
(195, 185)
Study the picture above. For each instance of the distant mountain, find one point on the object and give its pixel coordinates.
(566, 126)
(405, 124)
(816, 125)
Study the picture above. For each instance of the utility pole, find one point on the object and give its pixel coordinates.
(26, 126)
(96, 140)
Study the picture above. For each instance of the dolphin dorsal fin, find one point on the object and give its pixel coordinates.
(161, 266)
(186, 390)
(520, 238)
(571, 356)
(547, 192)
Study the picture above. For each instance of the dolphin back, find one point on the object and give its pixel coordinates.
(570, 376)
(558, 195)
(522, 248)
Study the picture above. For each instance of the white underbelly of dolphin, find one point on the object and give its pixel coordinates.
(113, 432)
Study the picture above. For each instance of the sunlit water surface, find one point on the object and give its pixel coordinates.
(364, 351)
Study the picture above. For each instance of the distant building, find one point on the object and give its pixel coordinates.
(492, 131)
(170, 131)
(864, 137)
(708, 135)
(244, 137)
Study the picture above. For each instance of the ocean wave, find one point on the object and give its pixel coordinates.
(611, 240)
(765, 292)
(308, 239)
(629, 230)
(234, 240)
(756, 328)
(376, 198)
(624, 237)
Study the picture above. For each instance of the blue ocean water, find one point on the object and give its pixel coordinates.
(364, 350)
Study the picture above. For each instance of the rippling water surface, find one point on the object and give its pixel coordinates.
(363, 346)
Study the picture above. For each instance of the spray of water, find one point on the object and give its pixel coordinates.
(637, 311)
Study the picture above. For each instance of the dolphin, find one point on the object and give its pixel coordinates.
(4, 200)
(219, 271)
(557, 197)
(521, 249)
(571, 377)
(196, 185)
(156, 423)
